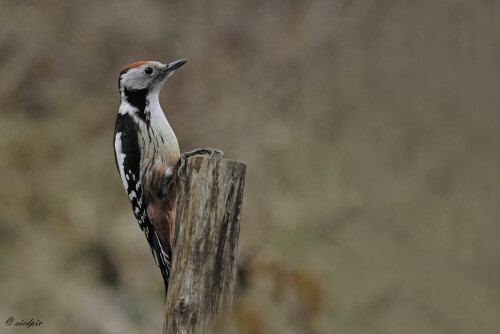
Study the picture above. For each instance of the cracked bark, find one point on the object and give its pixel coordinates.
(205, 244)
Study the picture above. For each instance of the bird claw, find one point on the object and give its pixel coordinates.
(182, 166)
(220, 152)
(201, 151)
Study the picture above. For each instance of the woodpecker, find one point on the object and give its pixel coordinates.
(147, 155)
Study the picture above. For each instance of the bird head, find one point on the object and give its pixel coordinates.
(147, 76)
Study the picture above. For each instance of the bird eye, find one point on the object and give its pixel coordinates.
(148, 71)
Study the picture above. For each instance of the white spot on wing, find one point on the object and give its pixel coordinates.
(126, 108)
(132, 195)
(120, 157)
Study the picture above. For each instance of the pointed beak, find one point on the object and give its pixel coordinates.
(175, 65)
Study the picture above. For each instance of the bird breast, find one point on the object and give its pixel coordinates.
(159, 152)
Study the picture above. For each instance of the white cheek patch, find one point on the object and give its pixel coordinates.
(120, 157)
(135, 79)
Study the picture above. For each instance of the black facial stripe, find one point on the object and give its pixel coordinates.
(137, 99)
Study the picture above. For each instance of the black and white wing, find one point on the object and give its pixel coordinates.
(128, 158)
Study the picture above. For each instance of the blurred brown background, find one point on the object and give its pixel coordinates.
(371, 132)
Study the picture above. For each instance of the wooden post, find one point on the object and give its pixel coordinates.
(205, 244)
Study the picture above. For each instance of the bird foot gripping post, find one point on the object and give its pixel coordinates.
(205, 244)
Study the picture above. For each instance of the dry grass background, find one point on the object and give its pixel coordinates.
(371, 132)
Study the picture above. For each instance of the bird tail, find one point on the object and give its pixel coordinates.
(162, 261)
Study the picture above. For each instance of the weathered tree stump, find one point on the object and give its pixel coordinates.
(205, 244)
